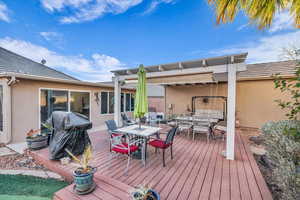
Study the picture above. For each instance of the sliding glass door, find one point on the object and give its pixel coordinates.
(63, 100)
(80, 103)
(52, 100)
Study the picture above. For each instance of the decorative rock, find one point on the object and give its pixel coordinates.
(4, 151)
(257, 139)
(264, 160)
(22, 163)
(65, 160)
(258, 150)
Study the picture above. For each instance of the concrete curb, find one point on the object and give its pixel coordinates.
(36, 173)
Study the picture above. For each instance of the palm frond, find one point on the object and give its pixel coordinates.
(260, 12)
(295, 12)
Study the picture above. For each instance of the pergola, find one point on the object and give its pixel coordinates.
(208, 70)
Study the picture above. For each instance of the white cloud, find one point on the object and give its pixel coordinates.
(266, 49)
(244, 26)
(154, 4)
(51, 35)
(4, 12)
(282, 21)
(87, 10)
(98, 66)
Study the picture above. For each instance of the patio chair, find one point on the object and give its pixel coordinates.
(126, 121)
(118, 146)
(221, 129)
(201, 127)
(152, 118)
(164, 144)
(185, 126)
(111, 129)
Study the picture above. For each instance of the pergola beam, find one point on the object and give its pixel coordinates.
(186, 71)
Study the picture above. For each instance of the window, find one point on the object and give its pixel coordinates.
(122, 102)
(111, 102)
(80, 103)
(128, 98)
(104, 102)
(107, 102)
(58, 100)
(132, 102)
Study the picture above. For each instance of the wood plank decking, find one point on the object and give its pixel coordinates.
(198, 171)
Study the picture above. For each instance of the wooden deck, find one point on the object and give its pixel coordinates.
(198, 171)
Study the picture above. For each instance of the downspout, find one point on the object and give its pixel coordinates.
(8, 114)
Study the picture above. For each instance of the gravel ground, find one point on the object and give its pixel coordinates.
(267, 173)
(19, 161)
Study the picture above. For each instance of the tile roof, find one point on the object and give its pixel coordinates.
(263, 70)
(286, 68)
(12, 62)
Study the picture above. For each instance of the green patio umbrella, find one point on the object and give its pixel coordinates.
(141, 101)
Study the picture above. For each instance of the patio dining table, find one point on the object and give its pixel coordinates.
(145, 132)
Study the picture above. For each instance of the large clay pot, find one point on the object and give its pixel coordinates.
(38, 142)
(84, 182)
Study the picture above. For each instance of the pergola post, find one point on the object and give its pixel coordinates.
(117, 101)
(231, 100)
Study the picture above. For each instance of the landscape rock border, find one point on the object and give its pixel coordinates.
(36, 173)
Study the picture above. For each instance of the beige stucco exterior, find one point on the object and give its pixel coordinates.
(25, 105)
(254, 104)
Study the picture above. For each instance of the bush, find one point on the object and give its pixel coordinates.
(284, 153)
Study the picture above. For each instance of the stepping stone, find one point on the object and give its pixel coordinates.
(18, 147)
(258, 150)
(4, 151)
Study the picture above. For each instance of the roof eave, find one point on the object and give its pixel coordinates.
(56, 80)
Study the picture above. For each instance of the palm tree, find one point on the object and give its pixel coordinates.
(260, 12)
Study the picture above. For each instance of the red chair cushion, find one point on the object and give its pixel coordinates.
(121, 148)
(116, 134)
(159, 144)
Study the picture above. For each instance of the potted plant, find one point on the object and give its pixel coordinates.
(36, 139)
(144, 193)
(84, 174)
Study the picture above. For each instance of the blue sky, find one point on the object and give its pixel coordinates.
(88, 38)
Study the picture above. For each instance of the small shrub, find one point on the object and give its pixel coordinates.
(290, 87)
(284, 152)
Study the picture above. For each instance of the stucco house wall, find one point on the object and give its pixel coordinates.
(157, 103)
(25, 105)
(255, 100)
